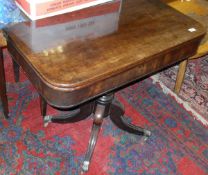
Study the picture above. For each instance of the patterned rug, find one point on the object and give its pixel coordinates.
(194, 91)
(178, 145)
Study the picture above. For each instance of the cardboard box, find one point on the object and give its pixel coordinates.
(37, 9)
(50, 34)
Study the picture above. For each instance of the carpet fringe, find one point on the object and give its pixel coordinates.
(168, 91)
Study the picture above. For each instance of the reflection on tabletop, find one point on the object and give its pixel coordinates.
(54, 32)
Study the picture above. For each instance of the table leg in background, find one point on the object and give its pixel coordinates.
(3, 95)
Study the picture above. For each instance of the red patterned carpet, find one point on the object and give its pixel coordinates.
(178, 145)
(195, 87)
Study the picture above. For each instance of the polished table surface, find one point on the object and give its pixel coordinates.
(77, 56)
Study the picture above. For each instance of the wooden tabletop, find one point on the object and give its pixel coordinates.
(2, 40)
(74, 57)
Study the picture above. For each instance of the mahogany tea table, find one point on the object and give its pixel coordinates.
(87, 55)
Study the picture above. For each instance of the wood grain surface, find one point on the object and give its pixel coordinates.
(149, 37)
